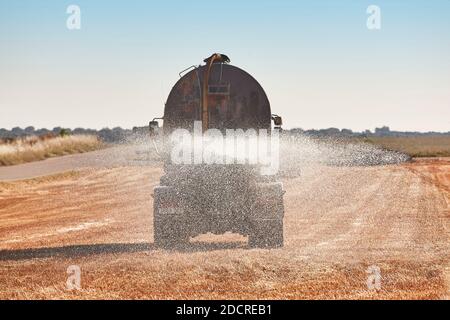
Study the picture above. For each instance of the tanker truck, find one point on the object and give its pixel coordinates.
(198, 197)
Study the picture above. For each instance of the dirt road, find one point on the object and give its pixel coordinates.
(342, 225)
(132, 155)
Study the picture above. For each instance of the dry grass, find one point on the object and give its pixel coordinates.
(339, 221)
(425, 146)
(39, 148)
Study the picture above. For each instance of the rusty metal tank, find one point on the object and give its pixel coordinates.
(235, 100)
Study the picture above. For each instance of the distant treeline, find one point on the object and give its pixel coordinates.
(119, 134)
(107, 135)
(379, 132)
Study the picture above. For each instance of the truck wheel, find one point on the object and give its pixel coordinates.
(266, 234)
(266, 219)
(169, 233)
(169, 229)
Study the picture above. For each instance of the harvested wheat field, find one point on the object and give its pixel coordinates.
(339, 222)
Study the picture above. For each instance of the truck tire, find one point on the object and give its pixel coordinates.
(169, 229)
(169, 233)
(266, 223)
(266, 234)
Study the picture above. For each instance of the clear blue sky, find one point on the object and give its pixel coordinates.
(319, 64)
